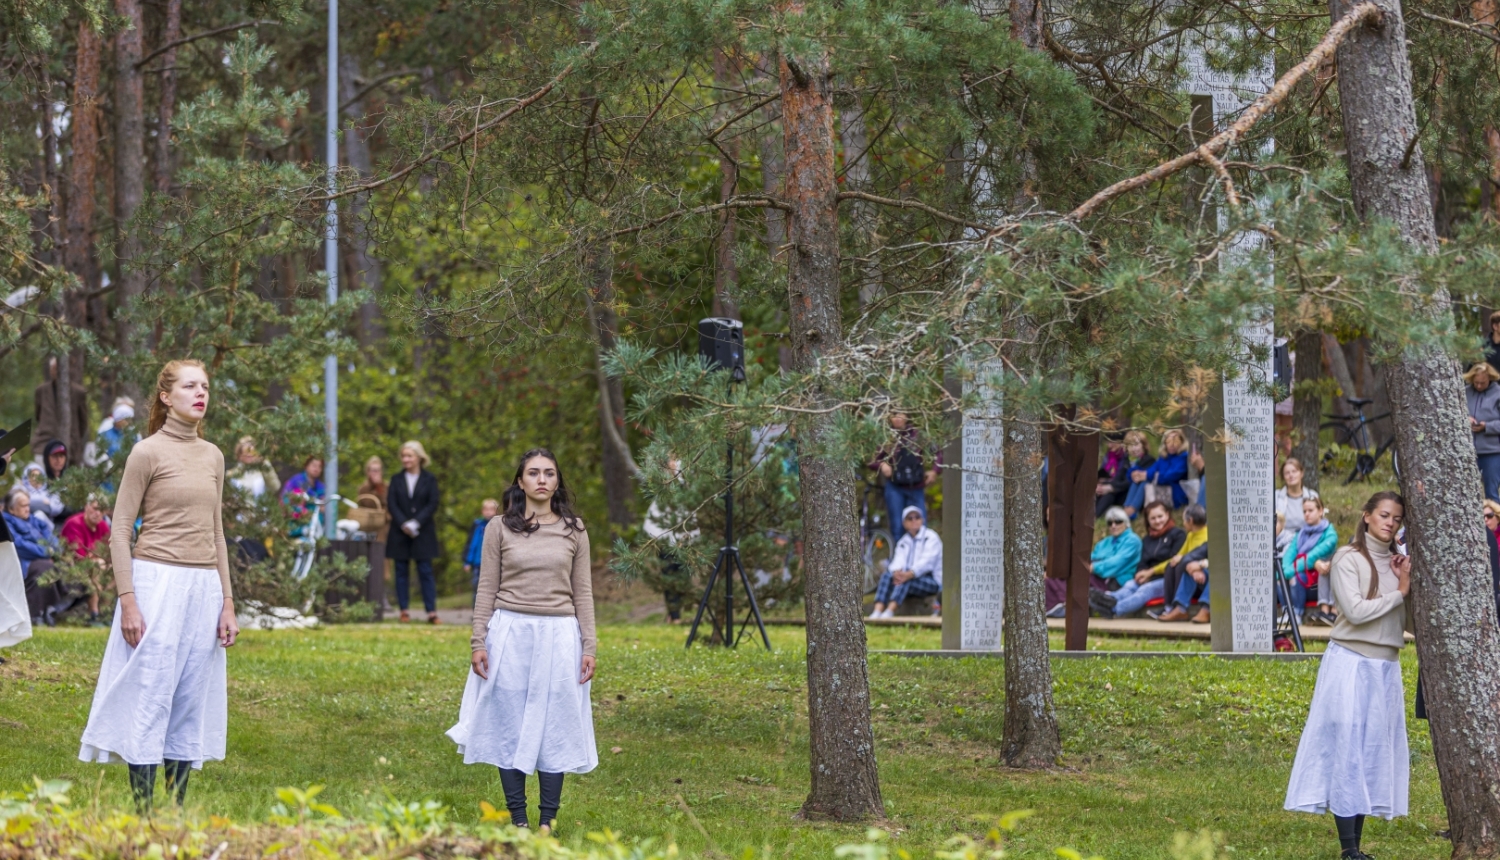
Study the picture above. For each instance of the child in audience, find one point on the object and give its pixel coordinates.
(1307, 558)
(474, 554)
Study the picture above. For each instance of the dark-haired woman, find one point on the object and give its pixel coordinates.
(526, 705)
(162, 697)
(1353, 759)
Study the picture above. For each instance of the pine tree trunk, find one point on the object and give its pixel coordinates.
(367, 272)
(1339, 367)
(845, 781)
(726, 272)
(772, 163)
(618, 464)
(78, 250)
(166, 106)
(855, 138)
(1031, 738)
(1457, 641)
(1307, 404)
(130, 165)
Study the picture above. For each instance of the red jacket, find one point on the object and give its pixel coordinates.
(76, 532)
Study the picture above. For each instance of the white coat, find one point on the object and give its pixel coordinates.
(921, 555)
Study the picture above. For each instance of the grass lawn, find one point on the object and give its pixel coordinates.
(1151, 746)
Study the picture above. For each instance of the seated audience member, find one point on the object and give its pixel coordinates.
(916, 565)
(303, 494)
(32, 534)
(1170, 469)
(84, 532)
(45, 503)
(1290, 495)
(1114, 475)
(1139, 460)
(1307, 559)
(1195, 548)
(1492, 512)
(1191, 587)
(1162, 543)
(1117, 555)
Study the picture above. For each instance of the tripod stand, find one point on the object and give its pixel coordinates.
(729, 554)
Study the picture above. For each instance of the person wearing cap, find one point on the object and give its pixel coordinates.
(1484, 420)
(114, 438)
(916, 565)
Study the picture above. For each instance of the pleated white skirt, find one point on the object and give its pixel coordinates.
(15, 618)
(167, 697)
(531, 714)
(1353, 758)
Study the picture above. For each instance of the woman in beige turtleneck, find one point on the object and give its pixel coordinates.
(161, 697)
(526, 705)
(1353, 759)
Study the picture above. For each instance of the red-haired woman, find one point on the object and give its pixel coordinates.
(161, 697)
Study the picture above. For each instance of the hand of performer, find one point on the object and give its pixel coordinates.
(132, 625)
(480, 660)
(1401, 566)
(229, 624)
(588, 670)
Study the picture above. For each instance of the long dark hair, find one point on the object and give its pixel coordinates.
(1360, 530)
(513, 502)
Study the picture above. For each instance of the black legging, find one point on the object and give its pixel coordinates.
(143, 782)
(1351, 832)
(514, 783)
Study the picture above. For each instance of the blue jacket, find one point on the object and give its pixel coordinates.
(1117, 557)
(475, 551)
(1170, 471)
(1292, 564)
(33, 539)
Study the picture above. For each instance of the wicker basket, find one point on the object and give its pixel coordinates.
(371, 520)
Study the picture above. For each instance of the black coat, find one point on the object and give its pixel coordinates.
(1155, 550)
(420, 506)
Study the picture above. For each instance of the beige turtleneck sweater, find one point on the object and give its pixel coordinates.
(174, 481)
(1373, 627)
(545, 572)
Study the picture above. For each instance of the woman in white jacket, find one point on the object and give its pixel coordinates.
(916, 566)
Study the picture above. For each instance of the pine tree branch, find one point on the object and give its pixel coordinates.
(1461, 25)
(177, 43)
(900, 203)
(1364, 13)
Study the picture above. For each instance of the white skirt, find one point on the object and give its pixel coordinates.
(531, 714)
(167, 697)
(15, 618)
(1353, 758)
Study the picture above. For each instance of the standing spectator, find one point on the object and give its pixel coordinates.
(45, 503)
(47, 415)
(1114, 475)
(916, 568)
(303, 494)
(251, 474)
(1139, 461)
(1307, 560)
(413, 503)
(1117, 555)
(1484, 421)
(903, 465)
(372, 492)
(83, 532)
(474, 554)
(1163, 541)
(1164, 477)
(1289, 498)
(1492, 343)
(119, 431)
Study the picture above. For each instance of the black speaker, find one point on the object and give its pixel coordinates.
(722, 342)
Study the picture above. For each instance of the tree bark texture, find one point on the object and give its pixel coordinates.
(364, 265)
(845, 781)
(1031, 738)
(166, 105)
(130, 164)
(78, 250)
(726, 272)
(1072, 474)
(772, 162)
(618, 464)
(1457, 641)
(1307, 403)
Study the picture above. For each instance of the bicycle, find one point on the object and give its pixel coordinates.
(1358, 437)
(874, 541)
(312, 533)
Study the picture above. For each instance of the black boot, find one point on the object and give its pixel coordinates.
(142, 786)
(514, 783)
(175, 777)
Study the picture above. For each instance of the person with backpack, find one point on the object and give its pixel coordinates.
(903, 465)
